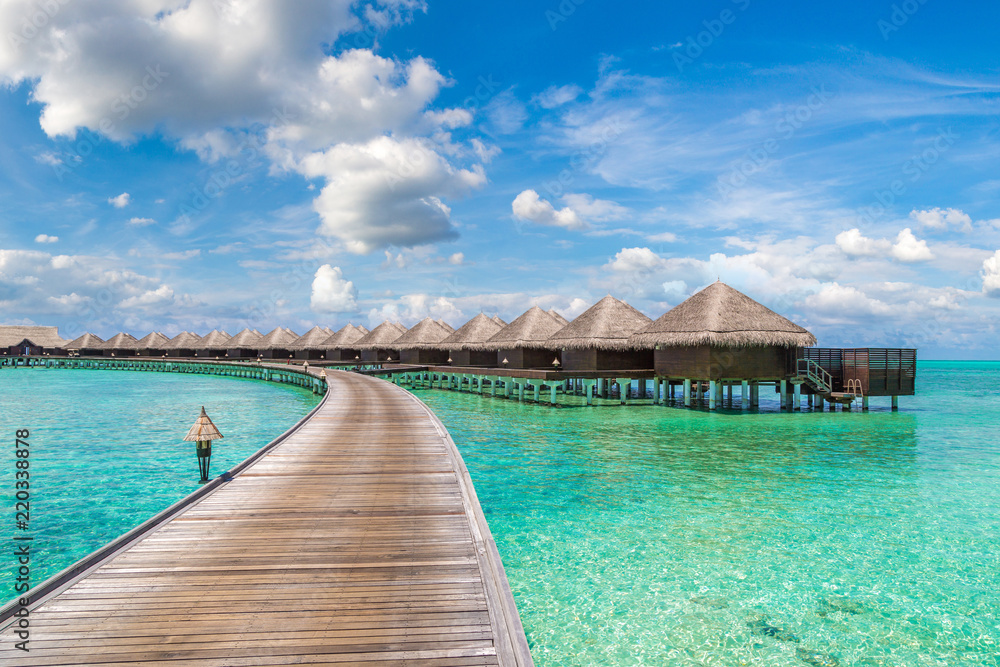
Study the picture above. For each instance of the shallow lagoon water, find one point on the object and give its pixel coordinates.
(662, 536)
(631, 536)
(107, 449)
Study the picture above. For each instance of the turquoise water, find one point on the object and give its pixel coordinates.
(631, 536)
(107, 450)
(661, 536)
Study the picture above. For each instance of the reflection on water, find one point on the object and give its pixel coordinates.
(660, 536)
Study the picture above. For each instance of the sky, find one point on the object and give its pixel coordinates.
(180, 165)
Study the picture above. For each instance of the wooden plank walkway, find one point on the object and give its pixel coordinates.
(358, 540)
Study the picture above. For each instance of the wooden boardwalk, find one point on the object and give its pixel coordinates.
(358, 540)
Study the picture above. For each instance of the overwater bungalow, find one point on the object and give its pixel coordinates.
(599, 339)
(120, 345)
(153, 344)
(376, 345)
(362, 328)
(87, 345)
(244, 345)
(447, 326)
(31, 340)
(307, 346)
(277, 344)
(423, 343)
(184, 344)
(463, 345)
(524, 342)
(721, 333)
(213, 344)
(340, 345)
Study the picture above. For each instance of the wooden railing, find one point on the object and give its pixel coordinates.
(815, 375)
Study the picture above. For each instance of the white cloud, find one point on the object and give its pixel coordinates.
(942, 219)
(45, 238)
(457, 259)
(387, 192)
(529, 206)
(556, 96)
(204, 64)
(845, 301)
(412, 308)
(855, 244)
(331, 293)
(663, 237)
(161, 296)
(908, 248)
(991, 275)
(595, 210)
(223, 77)
(636, 259)
(141, 222)
(49, 158)
(121, 201)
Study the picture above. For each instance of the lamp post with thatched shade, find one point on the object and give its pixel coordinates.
(203, 432)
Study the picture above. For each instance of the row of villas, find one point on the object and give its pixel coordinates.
(717, 338)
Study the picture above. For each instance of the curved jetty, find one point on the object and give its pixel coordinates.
(358, 539)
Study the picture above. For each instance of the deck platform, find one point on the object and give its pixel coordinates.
(357, 540)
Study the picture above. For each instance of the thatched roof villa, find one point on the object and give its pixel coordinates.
(339, 346)
(599, 339)
(153, 344)
(120, 345)
(88, 345)
(524, 342)
(463, 345)
(376, 345)
(184, 344)
(277, 343)
(307, 346)
(422, 343)
(721, 333)
(244, 345)
(213, 344)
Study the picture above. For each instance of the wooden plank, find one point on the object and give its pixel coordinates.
(357, 540)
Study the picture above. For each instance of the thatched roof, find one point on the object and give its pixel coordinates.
(203, 429)
(87, 341)
(425, 334)
(499, 320)
(362, 328)
(345, 337)
(606, 325)
(278, 339)
(214, 340)
(120, 341)
(532, 329)
(474, 332)
(381, 336)
(247, 339)
(447, 326)
(41, 336)
(310, 340)
(562, 320)
(152, 341)
(185, 340)
(720, 315)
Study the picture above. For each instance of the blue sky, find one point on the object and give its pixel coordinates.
(170, 165)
